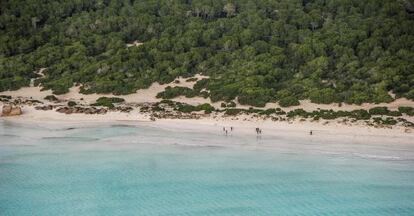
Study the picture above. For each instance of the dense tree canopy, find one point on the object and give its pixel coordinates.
(259, 51)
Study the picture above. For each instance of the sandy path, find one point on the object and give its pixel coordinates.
(141, 96)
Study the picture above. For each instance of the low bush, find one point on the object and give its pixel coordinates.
(360, 114)
(385, 121)
(233, 111)
(51, 98)
(379, 111)
(289, 101)
(206, 107)
(108, 101)
(5, 97)
(172, 92)
(395, 113)
(71, 103)
(186, 108)
(407, 110)
(298, 112)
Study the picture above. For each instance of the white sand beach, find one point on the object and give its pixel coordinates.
(326, 132)
(323, 129)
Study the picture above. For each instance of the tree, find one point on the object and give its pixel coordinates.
(229, 9)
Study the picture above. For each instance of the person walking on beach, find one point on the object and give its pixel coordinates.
(231, 128)
(226, 132)
(310, 133)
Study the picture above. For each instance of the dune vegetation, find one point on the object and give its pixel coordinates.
(259, 51)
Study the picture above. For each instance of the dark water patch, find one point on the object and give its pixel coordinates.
(68, 129)
(17, 145)
(9, 135)
(71, 138)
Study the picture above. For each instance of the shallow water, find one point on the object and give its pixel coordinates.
(142, 170)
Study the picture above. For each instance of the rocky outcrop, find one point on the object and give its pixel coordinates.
(175, 115)
(5, 98)
(47, 107)
(125, 109)
(84, 110)
(10, 110)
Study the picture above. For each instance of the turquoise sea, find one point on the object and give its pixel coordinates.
(144, 170)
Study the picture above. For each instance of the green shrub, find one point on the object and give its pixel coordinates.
(204, 94)
(233, 111)
(323, 96)
(407, 110)
(327, 114)
(410, 94)
(268, 111)
(5, 97)
(157, 108)
(186, 108)
(379, 111)
(360, 114)
(298, 112)
(105, 104)
(289, 101)
(395, 113)
(169, 102)
(386, 121)
(110, 100)
(201, 84)
(253, 110)
(71, 103)
(173, 92)
(254, 97)
(206, 107)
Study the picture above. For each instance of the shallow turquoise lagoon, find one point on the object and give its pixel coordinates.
(142, 170)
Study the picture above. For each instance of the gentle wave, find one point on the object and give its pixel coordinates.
(378, 157)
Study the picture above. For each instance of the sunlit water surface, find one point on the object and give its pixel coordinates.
(142, 170)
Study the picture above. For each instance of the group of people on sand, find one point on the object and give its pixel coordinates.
(258, 131)
(226, 131)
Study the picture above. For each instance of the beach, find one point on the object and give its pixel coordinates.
(242, 125)
(337, 129)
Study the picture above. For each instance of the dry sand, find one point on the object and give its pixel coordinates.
(245, 123)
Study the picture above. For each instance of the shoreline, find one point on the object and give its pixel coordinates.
(280, 137)
(271, 129)
(140, 110)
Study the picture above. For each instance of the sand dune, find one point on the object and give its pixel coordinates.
(149, 95)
